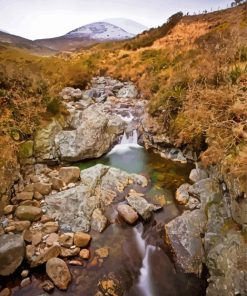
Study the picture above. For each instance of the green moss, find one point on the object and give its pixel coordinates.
(26, 150)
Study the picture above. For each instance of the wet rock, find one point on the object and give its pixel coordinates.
(142, 207)
(69, 174)
(81, 239)
(65, 252)
(99, 221)
(47, 286)
(12, 250)
(50, 227)
(198, 174)
(182, 194)
(25, 282)
(24, 196)
(42, 188)
(93, 137)
(102, 252)
(58, 272)
(47, 254)
(71, 94)
(5, 292)
(127, 213)
(66, 239)
(85, 254)
(28, 213)
(183, 234)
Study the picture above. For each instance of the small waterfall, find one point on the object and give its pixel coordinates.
(130, 139)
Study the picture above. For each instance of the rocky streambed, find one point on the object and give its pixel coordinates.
(94, 213)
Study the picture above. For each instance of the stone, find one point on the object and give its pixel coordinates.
(84, 254)
(76, 263)
(52, 239)
(198, 174)
(142, 207)
(47, 286)
(50, 227)
(12, 250)
(10, 229)
(65, 252)
(26, 150)
(183, 234)
(57, 183)
(36, 238)
(37, 195)
(66, 239)
(21, 225)
(29, 188)
(81, 239)
(58, 272)
(99, 221)
(182, 194)
(33, 203)
(102, 252)
(9, 209)
(30, 252)
(28, 213)
(5, 292)
(25, 282)
(49, 253)
(128, 91)
(24, 273)
(71, 94)
(69, 174)
(127, 213)
(35, 178)
(42, 188)
(24, 196)
(27, 235)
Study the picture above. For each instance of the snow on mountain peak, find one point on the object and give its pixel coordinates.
(127, 24)
(100, 31)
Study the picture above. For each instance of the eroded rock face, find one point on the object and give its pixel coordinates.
(12, 250)
(97, 189)
(184, 236)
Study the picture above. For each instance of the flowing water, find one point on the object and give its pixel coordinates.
(139, 262)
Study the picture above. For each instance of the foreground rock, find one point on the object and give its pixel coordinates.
(80, 207)
(127, 213)
(12, 251)
(58, 272)
(29, 213)
(183, 234)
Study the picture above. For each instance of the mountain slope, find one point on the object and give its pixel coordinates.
(86, 36)
(127, 25)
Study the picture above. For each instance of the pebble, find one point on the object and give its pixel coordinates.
(24, 273)
(47, 286)
(85, 254)
(25, 282)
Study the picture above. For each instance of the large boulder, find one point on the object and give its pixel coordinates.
(12, 251)
(95, 134)
(183, 234)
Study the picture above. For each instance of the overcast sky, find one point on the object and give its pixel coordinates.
(35, 19)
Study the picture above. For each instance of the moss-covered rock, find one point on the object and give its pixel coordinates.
(26, 150)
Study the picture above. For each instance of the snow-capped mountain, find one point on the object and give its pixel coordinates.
(127, 25)
(100, 31)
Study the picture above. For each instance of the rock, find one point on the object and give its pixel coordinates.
(42, 188)
(198, 174)
(52, 239)
(95, 133)
(47, 286)
(9, 229)
(32, 203)
(24, 196)
(69, 174)
(5, 292)
(57, 184)
(66, 239)
(35, 178)
(128, 91)
(84, 254)
(49, 253)
(76, 263)
(127, 213)
(102, 252)
(71, 94)
(26, 150)
(81, 239)
(44, 141)
(28, 213)
(24, 273)
(143, 208)
(45, 219)
(30, 252)
(9, 209)
(65, 252)
(12, 250)
(36, 238)
(183, 234)
(58, 272)
(182, 194)
(21, 225)
(25, 282)
(99, 221)
(38, 195)
(50, 227)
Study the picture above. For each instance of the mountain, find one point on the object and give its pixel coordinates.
(127, 25)
(85, 36)
(24, 43)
